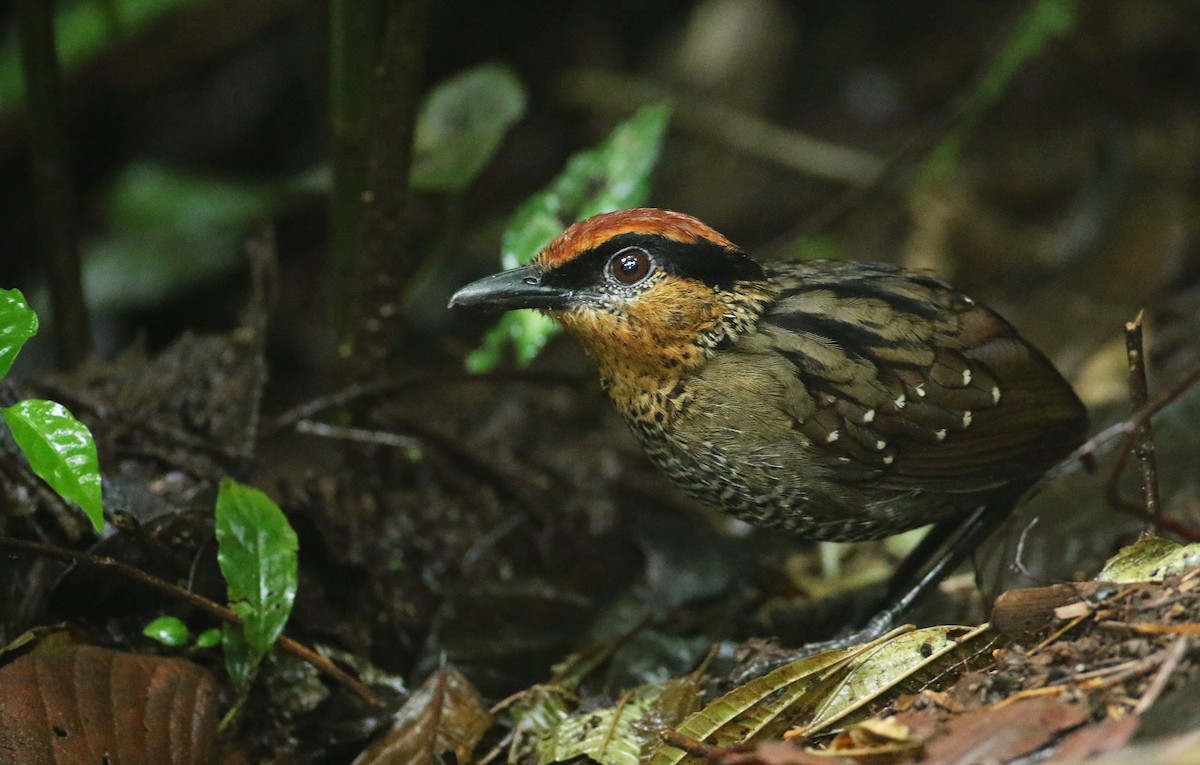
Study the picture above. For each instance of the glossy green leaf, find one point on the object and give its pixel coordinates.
(256, 550)
(168, 630)
(612, 176)
(209, 638)
(18, 323)
(60, 449)
(461, 124)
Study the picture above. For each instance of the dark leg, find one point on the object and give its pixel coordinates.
(942, 550)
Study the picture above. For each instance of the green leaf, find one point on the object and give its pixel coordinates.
(461, 124)
(256, 550)
(168, 630)
(60, 449)
(612, 176)
(18, 323)
(208, 638)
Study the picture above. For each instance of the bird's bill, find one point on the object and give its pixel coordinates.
(516, 288)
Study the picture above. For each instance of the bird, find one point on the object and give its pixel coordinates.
(832, 400)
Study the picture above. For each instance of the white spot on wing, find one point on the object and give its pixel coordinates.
(966, 377)
(889, 459)
(940, 433)
(880, 445)
(868, 416)
(901, 401)
(920, 389)
(833, 436)
(966, 418)
(995, 394)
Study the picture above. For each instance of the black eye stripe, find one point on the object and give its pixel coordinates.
(703, 260)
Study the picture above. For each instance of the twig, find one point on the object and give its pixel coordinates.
(355, 391)
(1112, 491)
(1174, 655)
(677, 740)
(216, 610)
(1144, 435)
(737, 129)
(1018, 558)
(357, 435)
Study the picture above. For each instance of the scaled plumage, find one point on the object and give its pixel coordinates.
(835, 400)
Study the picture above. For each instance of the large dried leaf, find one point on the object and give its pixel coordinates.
(823, 689)
(84, 705)
(444, 715)
(884, 666)
(746, 711)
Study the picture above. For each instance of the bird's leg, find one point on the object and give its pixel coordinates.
(941, 551)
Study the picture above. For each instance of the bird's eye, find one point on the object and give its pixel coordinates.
(630, 266)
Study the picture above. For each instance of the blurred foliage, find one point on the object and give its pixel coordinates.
(84, 29)
(1045, 21)
(611, 176)
(170, 230)
(461, 124)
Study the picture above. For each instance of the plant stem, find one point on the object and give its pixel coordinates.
(54, 197)
(201, 603)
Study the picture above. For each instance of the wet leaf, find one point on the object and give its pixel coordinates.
(1149, 560)
(444, 715)
(461, 124)
(168, 630)
(612, 176)
(257, 554)
(61, 451)
(18, 323)
(63, 706)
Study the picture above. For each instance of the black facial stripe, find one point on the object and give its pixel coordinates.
(702, 260)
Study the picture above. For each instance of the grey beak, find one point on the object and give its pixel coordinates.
(516, 288)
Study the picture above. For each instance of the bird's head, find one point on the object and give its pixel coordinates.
(647, 292)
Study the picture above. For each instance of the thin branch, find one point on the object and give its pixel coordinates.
(1112, 491)
(199, 602)
(357, 435)
(1174, 655)
(737, 129)
(1144, 439)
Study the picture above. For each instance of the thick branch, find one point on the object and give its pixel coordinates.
(54, 197)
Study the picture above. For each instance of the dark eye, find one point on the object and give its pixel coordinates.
(630, 266)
